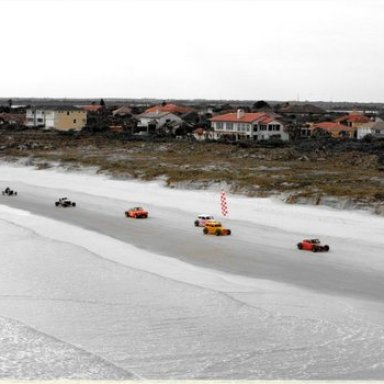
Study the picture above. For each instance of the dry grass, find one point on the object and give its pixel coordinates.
(253, 171)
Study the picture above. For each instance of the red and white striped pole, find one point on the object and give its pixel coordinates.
(223, 203)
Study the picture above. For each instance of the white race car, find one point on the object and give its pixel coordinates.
(202, 219)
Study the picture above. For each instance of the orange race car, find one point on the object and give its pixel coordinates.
(214, 227)
(137, 213)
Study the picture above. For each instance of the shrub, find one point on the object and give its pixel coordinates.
(367, 138)
(380, 159)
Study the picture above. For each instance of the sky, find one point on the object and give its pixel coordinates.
(193, 49)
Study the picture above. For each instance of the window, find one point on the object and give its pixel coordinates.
(39, 120)
(241, 127)
(274, 127)
(74, 121)
(263, 127)
(229, 126)
(67, 113)
(255, 128)
(219, 125)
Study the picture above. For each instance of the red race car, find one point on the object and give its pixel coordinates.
(313, 245)
(137, 213)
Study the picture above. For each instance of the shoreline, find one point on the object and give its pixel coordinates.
(296, 198)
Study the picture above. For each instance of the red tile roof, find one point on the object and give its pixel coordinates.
(354, 118)
(266, 119)
(91, 107)
(260, 117)
(173, 108)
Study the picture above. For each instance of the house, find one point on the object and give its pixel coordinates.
(169, 107)
(354, 120)
(123, 111)
(374, 128)
(332, 128)
(153, 121)
(62, 118)
(344, 126)
(248, 126)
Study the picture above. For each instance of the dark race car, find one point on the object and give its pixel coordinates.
(9, 192)
(313, 245)
(64, 202)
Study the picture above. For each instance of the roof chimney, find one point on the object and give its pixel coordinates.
(240, 114)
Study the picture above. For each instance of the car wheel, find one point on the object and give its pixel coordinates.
(205, 231)
(300, 246)
(57, 204)
(229, 232)
(73, 204)
(314, 249)
(326, 248)
(218, 233)
(196, 223)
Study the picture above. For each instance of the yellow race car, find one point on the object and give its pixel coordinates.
(214, 227)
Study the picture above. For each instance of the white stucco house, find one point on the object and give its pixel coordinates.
(249, 126)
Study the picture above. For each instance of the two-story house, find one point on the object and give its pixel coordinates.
(353, 120)
(62, 118)
(249, 126)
